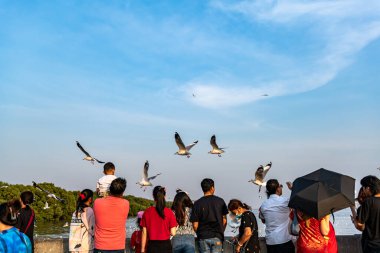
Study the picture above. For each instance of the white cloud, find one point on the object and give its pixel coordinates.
(342, 27)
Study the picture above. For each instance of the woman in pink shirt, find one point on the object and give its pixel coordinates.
(111, 215)
(158, 223)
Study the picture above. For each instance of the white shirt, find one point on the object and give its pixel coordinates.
(104, 183)
(275, 212)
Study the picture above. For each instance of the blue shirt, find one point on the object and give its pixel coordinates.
(13, 241)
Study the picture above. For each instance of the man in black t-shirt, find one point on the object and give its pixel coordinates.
(209, 219)
(369, 215)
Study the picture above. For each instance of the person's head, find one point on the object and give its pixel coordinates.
(27, 197)
(159, 194)
(109, 169)
(371, 185)
(84, 200)
(180, 202)
(361, 196)
(208, 186)
(139, 217)
(118, 186)
(237, 208)
(8, 212)
(273, 187)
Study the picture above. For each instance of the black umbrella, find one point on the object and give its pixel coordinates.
(322, 192)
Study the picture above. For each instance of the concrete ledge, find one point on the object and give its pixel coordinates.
(346, 244)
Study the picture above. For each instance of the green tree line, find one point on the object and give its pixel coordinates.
(58, 211)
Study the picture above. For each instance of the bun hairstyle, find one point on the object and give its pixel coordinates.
(235, 204)
(83, 197)
(180, 202)
(159, 194)
(8, 212)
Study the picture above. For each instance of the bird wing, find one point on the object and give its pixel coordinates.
(213, 142)
(266, 168)
(179, 142)
(145, 171)
(150, 178)
(38, 187)
(81, 148)
(98, 161)
(191, 145)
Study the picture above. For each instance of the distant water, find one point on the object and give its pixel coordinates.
(342, 225)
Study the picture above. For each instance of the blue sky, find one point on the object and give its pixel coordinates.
(119, 76)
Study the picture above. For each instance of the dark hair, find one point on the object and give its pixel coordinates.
(272, 185)
(138, 222)
(362, 196)
(83, 197)
(235, 204)
(372, 182)
(207, 184)
(108, 166)
(27, 197)
(180, 202)
(8, 212)
(118, 186)
(159, 193)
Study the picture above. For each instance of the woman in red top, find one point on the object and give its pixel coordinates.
(136, 236)
(315, 236)
(158, 223)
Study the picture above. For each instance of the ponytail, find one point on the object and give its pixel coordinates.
(159, 193)
(9, 211)
(83, 197)
(235, 204)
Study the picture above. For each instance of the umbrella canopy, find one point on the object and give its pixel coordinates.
(322, 192)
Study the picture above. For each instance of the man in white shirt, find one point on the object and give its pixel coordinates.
(103, 184)
(274, 213)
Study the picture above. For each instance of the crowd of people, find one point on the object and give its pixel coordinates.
(100, 227)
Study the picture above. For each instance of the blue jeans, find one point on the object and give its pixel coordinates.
(183, 244)
(211, 245)
(108, 251)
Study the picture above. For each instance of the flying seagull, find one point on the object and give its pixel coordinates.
(145, 181)
(182, 149)
(49, 194)
(265, 95)
(46, 206)
(215, 149)
(260, 175)
(88, 156)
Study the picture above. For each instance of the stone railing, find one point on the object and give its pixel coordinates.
(346, 244)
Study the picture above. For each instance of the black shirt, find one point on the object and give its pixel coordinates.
(370, 216)
(208, 211)
(248, 219)
(23, 221)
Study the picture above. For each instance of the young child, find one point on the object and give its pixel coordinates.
(103, 184)
(136, 236)
(26, 216)
(82, 226)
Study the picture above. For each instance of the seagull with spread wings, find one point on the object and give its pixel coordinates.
(145, 181)
(183, 150)
(88, 156)
(260, 175)
(49, 194)
(215, 149)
